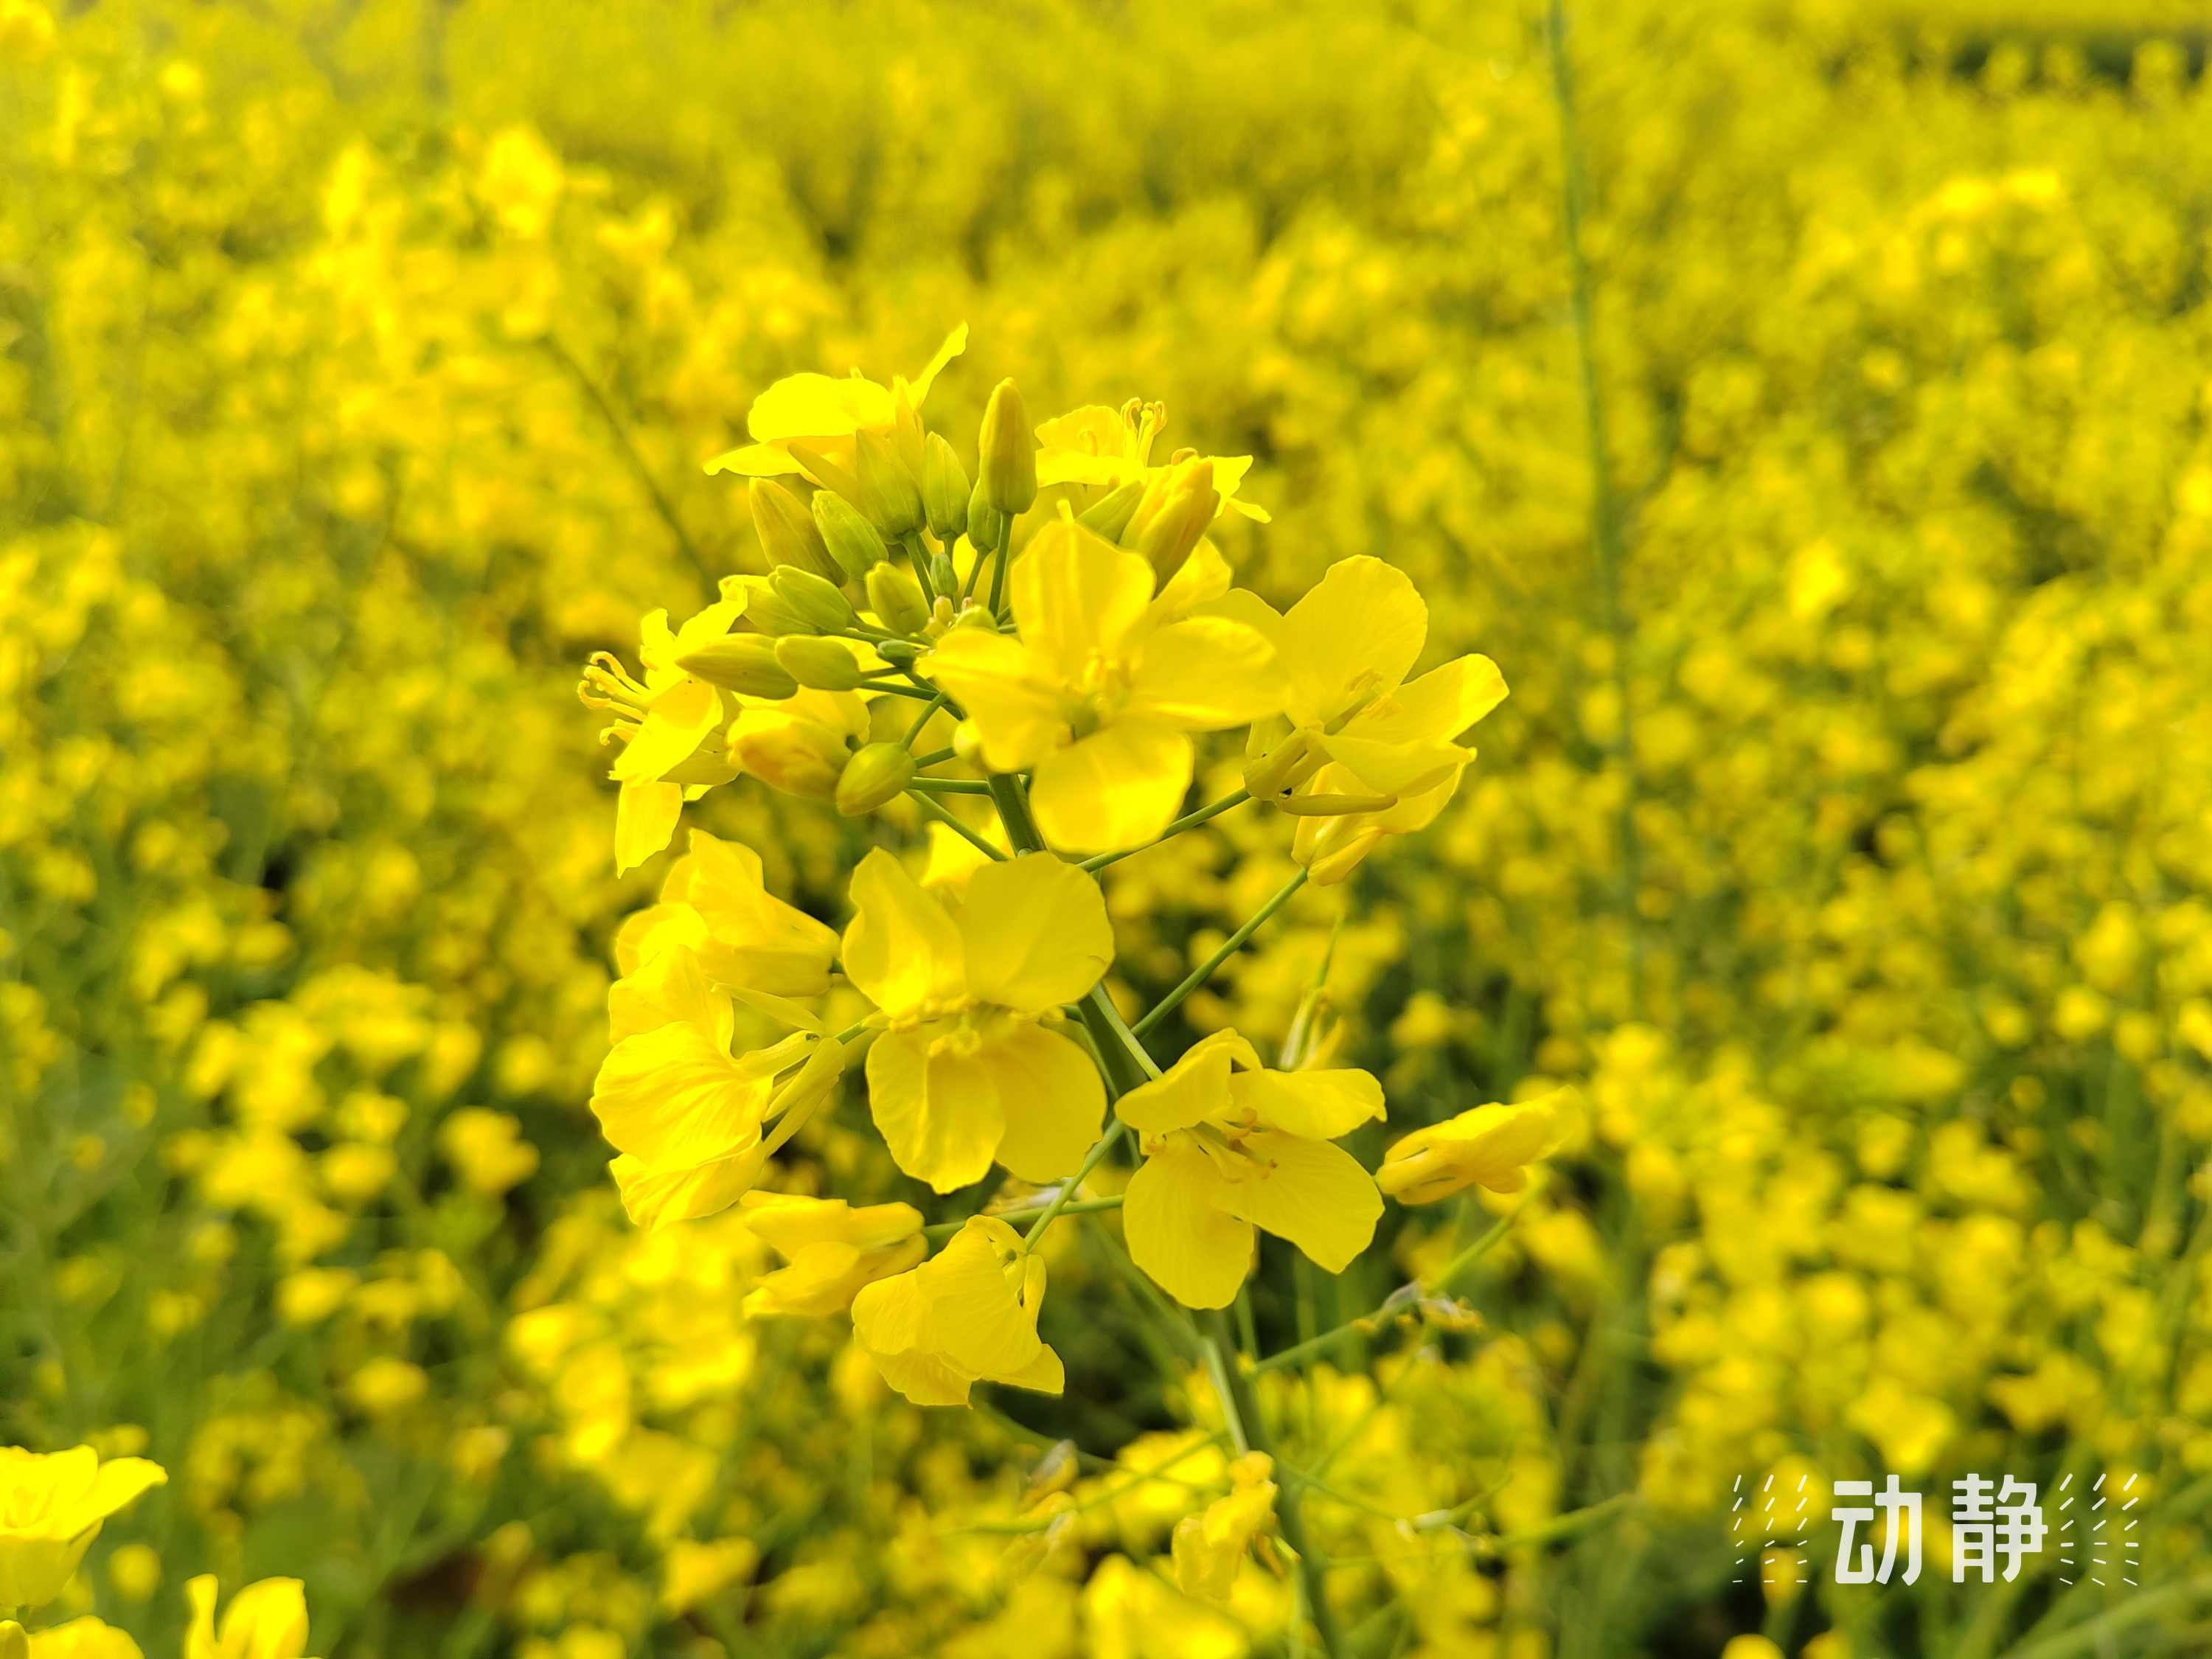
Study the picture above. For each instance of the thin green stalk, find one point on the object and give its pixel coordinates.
(937, 1230)
(1060, 1204)
(1605, 535)
(920, 722)
(1188, 821)
(661, 504)
(920, 694)
(1230, 946)
(936, 757)
(1290, 1515)
(912, 542)
(1405, 1295)
(951, 786)
(998, 569)
(931, 809)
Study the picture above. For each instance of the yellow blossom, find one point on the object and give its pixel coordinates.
(968, 1315)
(834, 1251)
(715, 902)
(267, 1620)
(1098, 694)
(80, 1639)
(801, 745)
(52, 1506)
(968, 1071)
(1229, 1146)
(1488, 1146)
(1210, 1546)
(687, 1117)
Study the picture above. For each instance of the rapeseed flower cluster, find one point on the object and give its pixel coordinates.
(1840, 844)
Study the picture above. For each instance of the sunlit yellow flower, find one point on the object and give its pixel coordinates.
(1101, 450)
(689, 1119)
(1210, 1546)
(1227, 1150)
(800, 745)
(267, 1620)
(52, 1506)
(968, 1315)
(968, 1071)
(1097, 694)
(670, 725)
(1365, 753)
(1488, 1146)
(810, 424)
(715, 902)
(80, 1639)
(833, 1250)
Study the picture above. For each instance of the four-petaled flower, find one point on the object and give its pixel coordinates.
(967, 1315)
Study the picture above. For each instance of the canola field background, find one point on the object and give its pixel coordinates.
(1805, 405)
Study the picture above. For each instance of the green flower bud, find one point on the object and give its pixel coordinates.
(818, 665)
(851, 540)
(1177, 507)
(890, 499)
(896, 598)
(1005, 455)
(875, 775)
(743, 663)
(816, 598)
(942, 576)
(900, 654)
(1110, 514)
(768, 610)
(787, 529)
(987, 525)
(944, 489)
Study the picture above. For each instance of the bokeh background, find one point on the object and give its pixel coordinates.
(1814, 427)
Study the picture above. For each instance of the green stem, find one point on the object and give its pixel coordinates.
(951, 786)
(931, 809)
(1188, 821)
(998, 569)
(1403, 1297)
(937, 1230)
(1605, 535)
(1289, 1515)
(1014, 813)
(936, 757)
(1230, 947)
(1060, 1204)
(920, 722)
(912, 542)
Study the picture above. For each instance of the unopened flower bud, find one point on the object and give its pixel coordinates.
(875, 775)
(851, 540)
(768, 610)
(787, 532)
(815, 598)
(1005, 457)
(977, 615)
(900, 654)
(987, 525)
(818, 665)
(1109, 516)
(896, 598)
(889, 497)
(743, 663)
(942, 576)
(1177, 507)
(944, 489)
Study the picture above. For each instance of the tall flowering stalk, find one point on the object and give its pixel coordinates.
(1041, 706)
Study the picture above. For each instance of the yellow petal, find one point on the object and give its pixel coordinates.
(924, 1378)
(758, 941)
(1437, 707)
(818, 406)
(1394, 768)
(1076, 598)
(119, 1481)
(266, 1620)
(1195, 1088)
(892, 1315)
(1035, 934)
(940, 1116)
(976, 1321)
(645, 818)
(669, 986)
(1120, 787)
(755, 461)
(1319, 1105)
(84, 1638)
(1044, 1373)
(1309, 1192)
(1178, 1233)
(953, 860)
(1009, 692)
(647, 934)
(790, 1223)
(672, 1097)
(1203, 577)
(676, 722)
(900, 948)
(1364, 619)
(1205, 673)
(1053, 1100)
(955, 343)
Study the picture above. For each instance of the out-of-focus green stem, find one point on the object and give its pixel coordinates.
(1229, 946)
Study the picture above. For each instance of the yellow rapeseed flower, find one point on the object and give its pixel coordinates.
(715, 902)
(1099, 692)
(967, 1071)
(834, 1251)
(1488, 1146)
(267, 1620)
(1227, 1150)
(1210, 1546)
(800, 745)
(52, 1506)
(968, 1315)
(80, 1639)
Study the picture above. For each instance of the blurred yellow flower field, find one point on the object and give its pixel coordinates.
(1053, 1066)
